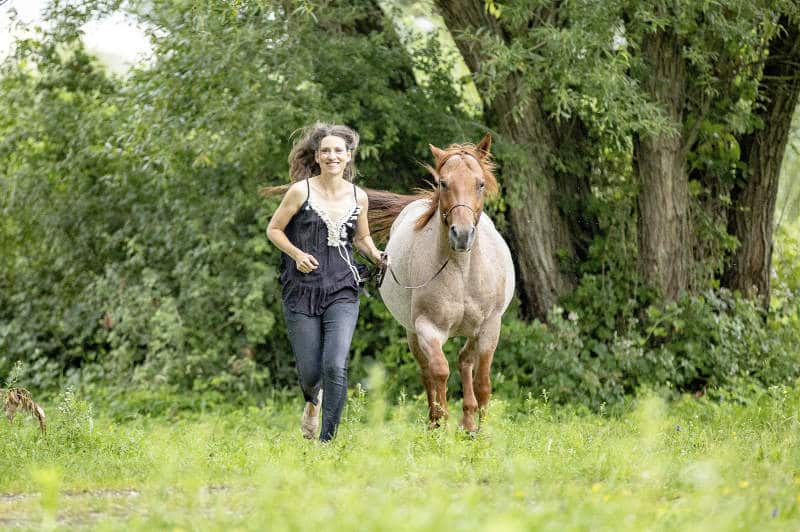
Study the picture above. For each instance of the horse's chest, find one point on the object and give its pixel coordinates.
(471, 319)
(459, 306)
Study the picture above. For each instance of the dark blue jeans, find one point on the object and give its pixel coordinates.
(321, 346)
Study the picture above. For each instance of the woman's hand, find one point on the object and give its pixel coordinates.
(383, 262)
(306, 263)
(383, 266)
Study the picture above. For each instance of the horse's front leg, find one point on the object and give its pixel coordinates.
(486, 345)
(424, 369)
(429, 340)
(466, 364)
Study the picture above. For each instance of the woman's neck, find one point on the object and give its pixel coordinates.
(330, 182)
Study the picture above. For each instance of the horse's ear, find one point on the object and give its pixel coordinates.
(437, 153)
(484, 145)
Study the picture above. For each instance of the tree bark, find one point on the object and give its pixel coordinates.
(752, 219)
(663, 200)
(542, 237)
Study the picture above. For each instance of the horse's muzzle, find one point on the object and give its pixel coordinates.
(461, 237)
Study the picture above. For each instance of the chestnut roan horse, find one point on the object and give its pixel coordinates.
(451, 273)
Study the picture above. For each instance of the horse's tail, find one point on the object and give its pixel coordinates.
(383, 210)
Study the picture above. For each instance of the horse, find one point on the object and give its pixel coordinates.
(450, 273)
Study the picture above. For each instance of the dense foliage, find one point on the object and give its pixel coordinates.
(132, 236)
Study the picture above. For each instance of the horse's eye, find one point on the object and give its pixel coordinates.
(481, 185)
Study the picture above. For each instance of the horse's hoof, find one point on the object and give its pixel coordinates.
(471, 429)
(437, 423)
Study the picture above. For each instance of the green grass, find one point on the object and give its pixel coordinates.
(692, 464)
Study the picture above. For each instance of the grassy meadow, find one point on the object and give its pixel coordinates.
(689, 464)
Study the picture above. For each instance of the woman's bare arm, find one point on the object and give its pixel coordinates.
(363, 240)
(289, 206)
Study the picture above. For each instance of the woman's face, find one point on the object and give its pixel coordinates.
(332, 155)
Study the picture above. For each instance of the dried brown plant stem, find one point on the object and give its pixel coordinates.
(20, 399)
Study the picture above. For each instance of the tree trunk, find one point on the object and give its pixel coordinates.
(752, 219)
(663, 201)
(542, 238)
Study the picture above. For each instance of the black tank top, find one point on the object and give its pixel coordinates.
(336, 279)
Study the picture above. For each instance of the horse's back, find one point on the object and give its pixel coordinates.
(400, 250)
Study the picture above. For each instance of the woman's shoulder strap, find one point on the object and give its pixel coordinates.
(308, 189)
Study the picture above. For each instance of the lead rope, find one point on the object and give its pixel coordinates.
(391, 271)
(353, 269)
(345, 256)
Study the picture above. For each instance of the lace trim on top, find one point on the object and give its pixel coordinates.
(337, 230)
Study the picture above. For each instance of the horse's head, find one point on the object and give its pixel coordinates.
(463, 174)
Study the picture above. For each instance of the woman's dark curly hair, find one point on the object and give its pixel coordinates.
(302, 163)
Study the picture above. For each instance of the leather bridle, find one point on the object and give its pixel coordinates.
(445, 214)
(475, 214)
